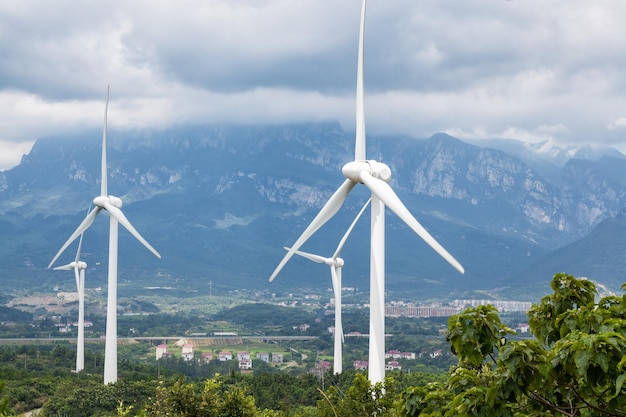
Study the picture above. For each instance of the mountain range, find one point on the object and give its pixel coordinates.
(221, 201)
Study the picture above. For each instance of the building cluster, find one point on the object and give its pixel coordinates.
(66, 327)
(410, 310)
(403, 309)
(244, 358)
(393, 364)
(501, 305)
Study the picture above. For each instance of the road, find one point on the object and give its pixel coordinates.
(266, 339)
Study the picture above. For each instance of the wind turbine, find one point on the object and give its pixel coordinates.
(336, 263)
(79, 272)
(375, 176)
(112, 205)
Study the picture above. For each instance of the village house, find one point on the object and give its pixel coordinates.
(320, 368)
(303, 327)
(206, 357)
(393, 354)
(245, 364)
(436, 354)
(277, 358)
(167, 355)
(360, 365)
(396, 354)
(243, 355)
(63, 327)
(160, 350)
(263, 356)
(187, 352)
(225, 355)
(86, 324)
(393, 366)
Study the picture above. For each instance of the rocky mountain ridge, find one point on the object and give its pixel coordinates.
(220, 202)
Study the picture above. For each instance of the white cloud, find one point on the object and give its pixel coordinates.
(12, 151)
(526, 69)
(618, 123)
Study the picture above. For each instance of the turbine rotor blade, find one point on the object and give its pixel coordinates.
(329, 210)
(359, 146)
(81, 228)
(315, 258)
(77, 275)
(335, 279)
(63, 268)
(80, 244)
(385, 193)
(345, 236)
(103, 173)
(117, 214)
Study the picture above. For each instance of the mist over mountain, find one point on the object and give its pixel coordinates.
(547, 151)
(220, 202)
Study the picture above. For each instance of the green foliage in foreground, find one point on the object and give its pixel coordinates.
(4, 401)
(576, 366)
(95, 399)
(213, 400)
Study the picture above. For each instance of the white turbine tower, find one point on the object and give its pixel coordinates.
(112, 205)
(336, 264)
(375, 176)
(79, 272)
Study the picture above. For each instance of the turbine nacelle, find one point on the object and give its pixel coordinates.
(353, 170)
(101, 201)
(334, 262)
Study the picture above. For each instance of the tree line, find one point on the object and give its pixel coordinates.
(574, 365)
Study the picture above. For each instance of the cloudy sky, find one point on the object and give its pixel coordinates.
(523, 69)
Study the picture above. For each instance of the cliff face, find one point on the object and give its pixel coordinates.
(226, 199)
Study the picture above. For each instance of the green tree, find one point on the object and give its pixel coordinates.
(92, 398)
(576, 366)
(476, 333)
(361, 399)
(4, 401)
(212, 400)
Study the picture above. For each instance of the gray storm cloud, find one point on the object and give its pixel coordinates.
(524, 69)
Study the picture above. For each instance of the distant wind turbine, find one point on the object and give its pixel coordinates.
(375, 176)
(79, 272)
(336, 264)
(112, 205)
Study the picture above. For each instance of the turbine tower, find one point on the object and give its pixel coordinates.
(375, 176)
(336, 264)
(112, 205)
(79, 272)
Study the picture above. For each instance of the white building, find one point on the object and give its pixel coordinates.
(160, 350)
(187, 353)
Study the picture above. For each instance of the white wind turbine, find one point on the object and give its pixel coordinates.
(336, 264)
(112, 205)
(79, 272)
(375, 176)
